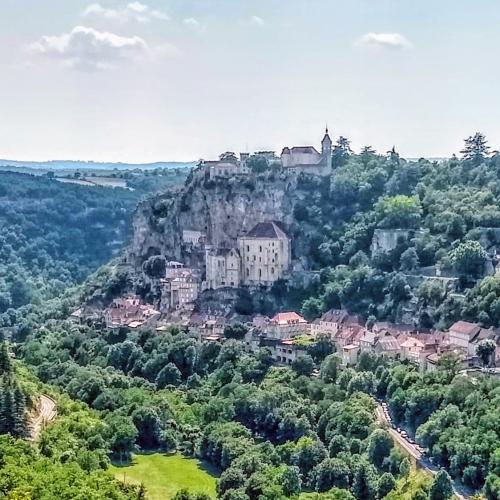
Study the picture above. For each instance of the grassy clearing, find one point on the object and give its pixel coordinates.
(164, 475)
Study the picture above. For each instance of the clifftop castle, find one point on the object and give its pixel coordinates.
(295, 159)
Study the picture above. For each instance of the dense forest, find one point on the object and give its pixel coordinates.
(54, 235)
(275, 432)
(447, 213)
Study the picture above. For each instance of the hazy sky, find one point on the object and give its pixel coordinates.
(155, 80)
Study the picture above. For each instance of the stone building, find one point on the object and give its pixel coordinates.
(265, 254)
(130, 312)
(223, 268)
(307, 159)
(286, 325)
(260, 257)
(227, 165)
(179, 288)
(193, 237)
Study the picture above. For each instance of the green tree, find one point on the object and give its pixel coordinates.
(330, 368)
(485, 349)
(168, 375)
(303, 365)
(441, 488)
(476, 148)
(341, 152)
(386, 483)
(364, 486)
(468, 258)
(155, 266)
(291, 482)
(257, 163)
(5, 362)
(379, 446)
(122, 436)
(409, 260)
(398, 212)
(405, 468)
(330, 473)
(235, 331)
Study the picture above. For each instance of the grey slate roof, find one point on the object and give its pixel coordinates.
(269, 229)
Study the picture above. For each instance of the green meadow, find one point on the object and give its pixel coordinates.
(164, 475)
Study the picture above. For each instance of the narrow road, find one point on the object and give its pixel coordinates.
(46, 412)
(459, 490)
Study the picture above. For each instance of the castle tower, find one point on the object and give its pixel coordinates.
(326, 149)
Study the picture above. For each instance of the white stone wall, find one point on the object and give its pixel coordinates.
(222, 270)
(192, 236)
(264, 260)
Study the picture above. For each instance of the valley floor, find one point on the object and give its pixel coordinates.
(164, 475)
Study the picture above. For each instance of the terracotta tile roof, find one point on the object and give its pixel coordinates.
(287, 318)
(412, 342)
(465, 328)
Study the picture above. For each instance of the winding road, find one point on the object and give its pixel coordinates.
(46, 412)
(459, 490)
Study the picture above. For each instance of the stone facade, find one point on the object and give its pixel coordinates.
(260, 257)
(223, 268)
(193, 237)
(179, 288)
(265, 254)
(307, 159)
(227, 165)
(286, 325)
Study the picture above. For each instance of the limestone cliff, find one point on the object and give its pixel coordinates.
(222, 209)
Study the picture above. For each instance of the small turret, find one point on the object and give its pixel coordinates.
(326, 148)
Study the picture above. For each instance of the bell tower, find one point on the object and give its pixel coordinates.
(326, 148)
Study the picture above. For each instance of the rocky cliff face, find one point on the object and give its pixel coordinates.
(222, 209)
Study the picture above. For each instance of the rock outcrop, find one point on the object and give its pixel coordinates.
(222, 209)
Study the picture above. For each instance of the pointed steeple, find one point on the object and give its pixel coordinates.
(326, 138)
(326, 148)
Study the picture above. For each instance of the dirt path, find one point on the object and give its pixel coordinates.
(46, 412)
(459, 490)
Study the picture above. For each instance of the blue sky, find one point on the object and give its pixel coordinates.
(155, 80)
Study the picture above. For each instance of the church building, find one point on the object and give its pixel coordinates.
(307, 159)
(260, 257)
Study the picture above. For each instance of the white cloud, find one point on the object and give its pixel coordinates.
(191, 21)
(89, 49)
(133, 11)
(257, 21)
(384, 40)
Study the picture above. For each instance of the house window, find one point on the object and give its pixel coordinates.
(248, 248)
(248, 272)
(260, 273)
(260, 249)
(272, 270)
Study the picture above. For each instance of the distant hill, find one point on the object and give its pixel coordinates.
(92, 165)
